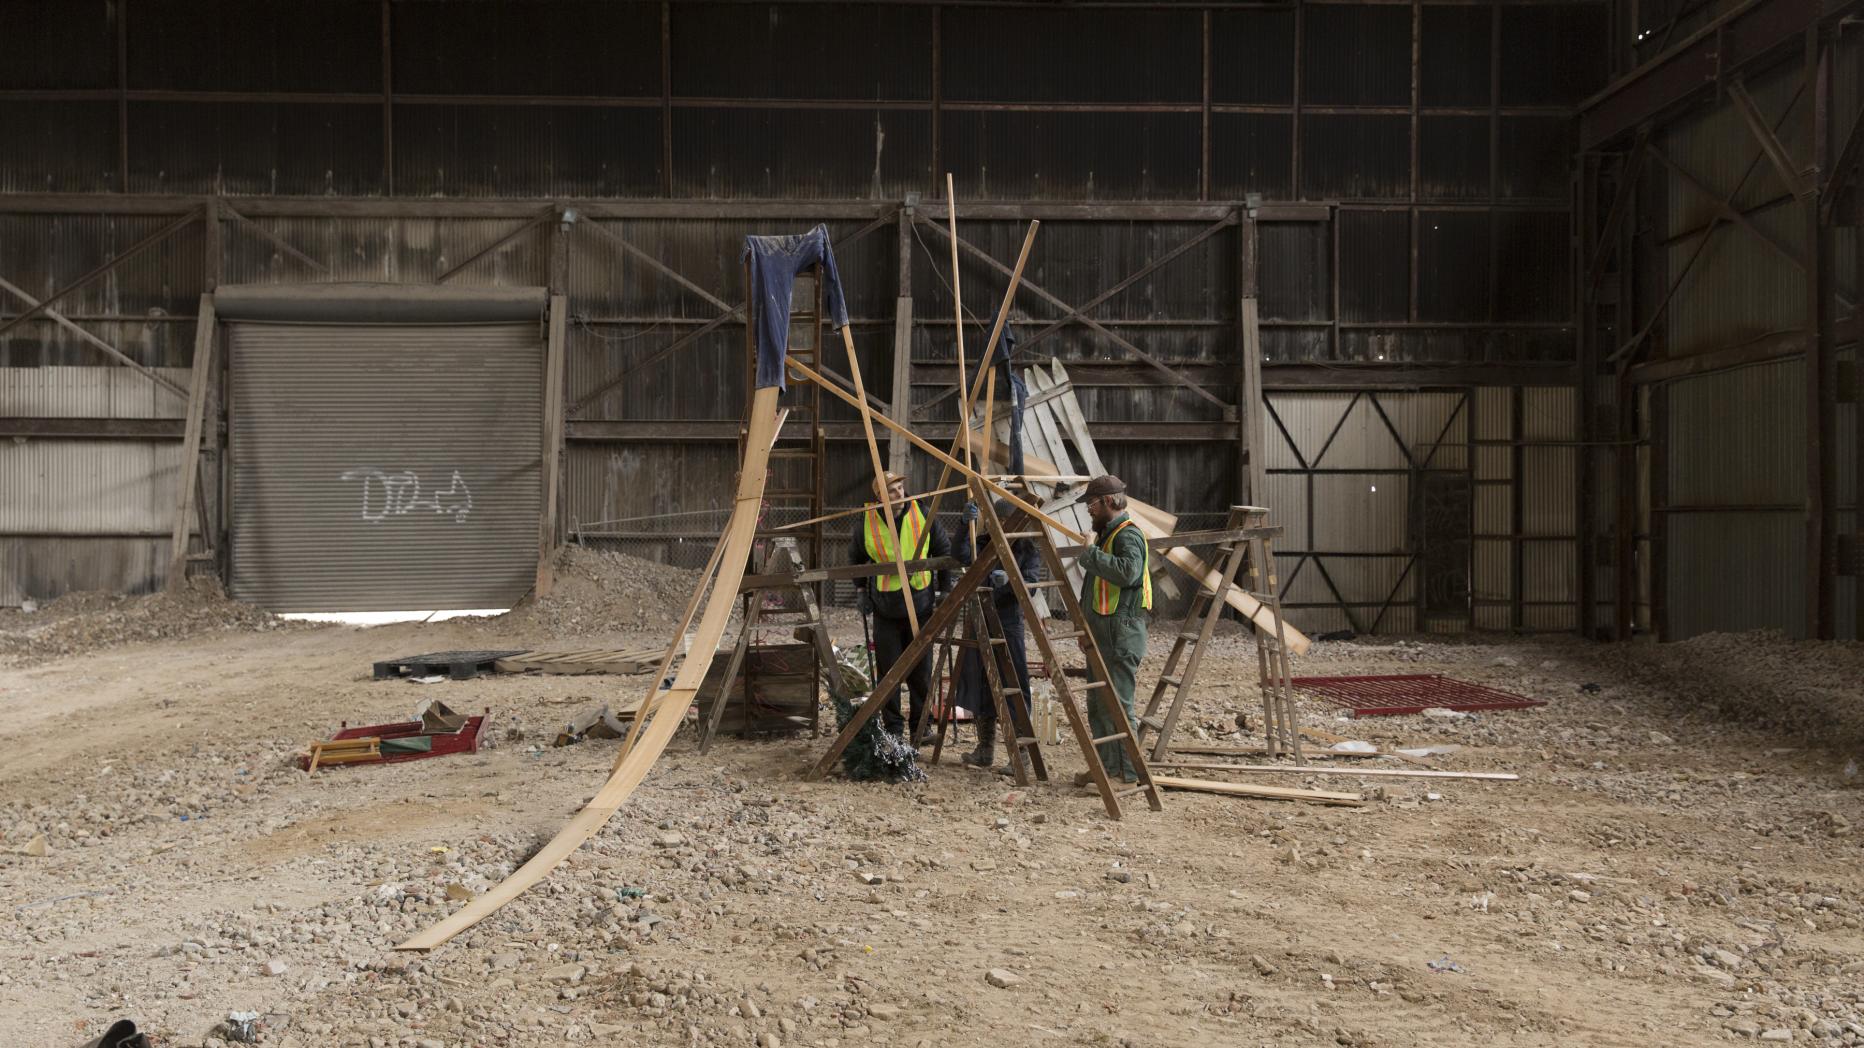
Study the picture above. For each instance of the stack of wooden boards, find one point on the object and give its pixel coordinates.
(586, 660)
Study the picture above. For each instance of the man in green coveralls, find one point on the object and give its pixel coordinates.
(1116, 594)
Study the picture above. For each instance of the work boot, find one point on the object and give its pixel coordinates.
(986, 745)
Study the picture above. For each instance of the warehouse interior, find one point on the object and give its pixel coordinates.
(1532, 324)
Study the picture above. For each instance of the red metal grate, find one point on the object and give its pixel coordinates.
(1376, 696)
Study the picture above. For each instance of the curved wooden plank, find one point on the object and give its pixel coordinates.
(667, 713)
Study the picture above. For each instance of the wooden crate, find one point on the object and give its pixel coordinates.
(783, 683)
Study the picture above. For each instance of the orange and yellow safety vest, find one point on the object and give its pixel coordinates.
(1106, 594)
(881, 547)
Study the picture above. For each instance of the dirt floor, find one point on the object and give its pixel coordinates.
(1678, 865)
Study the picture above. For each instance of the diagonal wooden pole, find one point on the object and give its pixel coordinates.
(922, 444)
(957, 311)
(880, 479)
(990, 351)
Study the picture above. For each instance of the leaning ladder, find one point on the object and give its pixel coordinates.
(1187, 650)
(1099, 684)
(983, 632)
(1099, 687)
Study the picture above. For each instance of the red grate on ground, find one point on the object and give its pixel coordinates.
(465, 740)
(1400, 694)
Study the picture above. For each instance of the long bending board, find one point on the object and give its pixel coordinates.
(735, 548)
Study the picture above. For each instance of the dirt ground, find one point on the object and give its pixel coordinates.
(1678, 864)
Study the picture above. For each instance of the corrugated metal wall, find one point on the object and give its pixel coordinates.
(1443, 241)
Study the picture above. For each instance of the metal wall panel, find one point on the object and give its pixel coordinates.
(1730, 572)
(45, 568)
(100, 392)
(1738, 438)
(88, 487)
(381, 468)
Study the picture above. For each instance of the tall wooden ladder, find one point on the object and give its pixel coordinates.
(797, 475)
(782, 559)
(982, 631)
(1099, 683)
(1098, 687)
(1281, 731)
(1187, 651)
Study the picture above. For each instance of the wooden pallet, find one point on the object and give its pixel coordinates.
(589, 660)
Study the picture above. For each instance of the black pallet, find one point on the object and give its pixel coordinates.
(459, 665)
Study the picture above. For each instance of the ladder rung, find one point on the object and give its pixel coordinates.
(1130, 790)
(1022, 535)
(1012, 693)
(1092, 684)
(1000, 640)
(1027, 740)
(1053, 637)
(1155, 723)
(1046, 584)
(1192, 635)
(1171, 680)
(1110, 738)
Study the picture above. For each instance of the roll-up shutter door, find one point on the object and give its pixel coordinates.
(385, 467)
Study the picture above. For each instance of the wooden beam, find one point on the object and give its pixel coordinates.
(204, 340)
(1271, 793)
(666, 708)
(1772, 347)
(1144, 271)
(109, 350)
(1289, 769)
(883, 492)
(1141, 354)
(495, 245)
(553, 443)
(270, 237)
(128, 253)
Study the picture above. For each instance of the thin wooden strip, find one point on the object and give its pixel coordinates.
(1272, 793)
(1394, 773)
(733, 553)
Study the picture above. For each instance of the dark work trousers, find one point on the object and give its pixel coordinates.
(891, 636)
(973, 691)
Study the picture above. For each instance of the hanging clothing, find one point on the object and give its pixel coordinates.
(1015, 393)
(775, 262)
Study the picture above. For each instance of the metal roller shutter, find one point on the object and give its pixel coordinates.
(385, 467)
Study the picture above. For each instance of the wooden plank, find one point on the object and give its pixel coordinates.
(1257, 751)
(885, 494)
(204, 340)
(1156, 523)
(1289, 769)
(553, 443)
(1076, 422)
(922, 444)
(1250, 412)
(109, 350)
(669, 711)
(1271, 793)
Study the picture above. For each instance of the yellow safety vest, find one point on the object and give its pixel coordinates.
(1106, 594)
(881, 546)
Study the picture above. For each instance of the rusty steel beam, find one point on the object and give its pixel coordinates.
(1790, 176)
(1181, 380)
(1747, 34)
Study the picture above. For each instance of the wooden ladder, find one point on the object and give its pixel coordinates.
(1187, 650)
(997, 553)
(1099, 684)
(782, 559)
(983, 632)
(1280, 730)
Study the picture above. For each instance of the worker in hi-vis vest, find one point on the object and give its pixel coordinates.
(919, 538)
(1116, 594)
